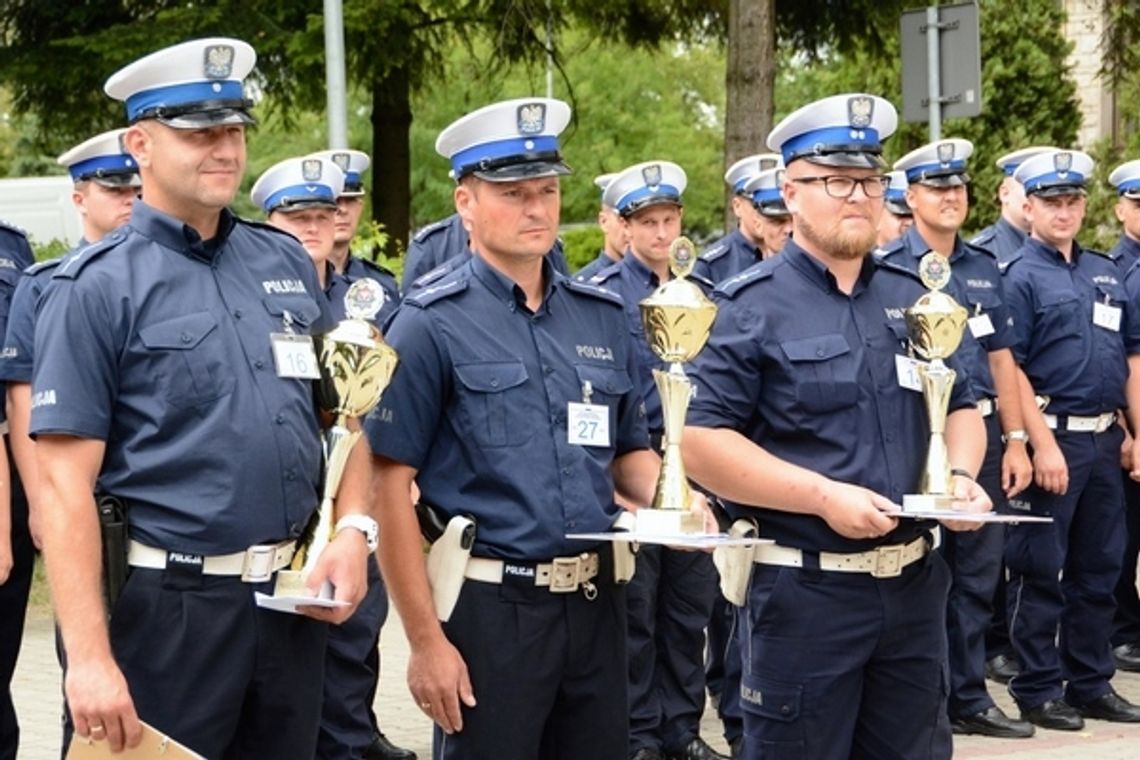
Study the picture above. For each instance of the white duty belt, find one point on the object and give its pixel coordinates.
(881, 562)
(562, 575)
(256, 564)
(1077, 424)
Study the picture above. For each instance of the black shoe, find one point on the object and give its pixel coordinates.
(1127, 657)
(697, 749)
(1111, 707)
(1055, 714)
(993, 722)
(382, 749)
(1002, 668)
(645, 753)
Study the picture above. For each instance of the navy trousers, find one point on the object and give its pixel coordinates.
(352, 673)
(211, 669)
(1126, 625)
(975, 561)
(722, 667)
(1085, 543)
(548, 670)
(13, 606)
(670, 603)
(843, 665)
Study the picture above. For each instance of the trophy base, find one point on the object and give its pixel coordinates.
(927, 502)
(668, 522)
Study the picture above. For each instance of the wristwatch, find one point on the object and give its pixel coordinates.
(362, 523)
(1015, 435)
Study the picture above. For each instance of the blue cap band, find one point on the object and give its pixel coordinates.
(740, 183)
(915, 173)
(1054, 179)
(767, 195)
(832, 140)
(1128, 184)
(469, 159)
(299, 194)
(662, 192)
(898, 196)
(1011, 168)
(180, 95)
(116, 163)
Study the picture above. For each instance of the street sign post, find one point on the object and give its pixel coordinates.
(941, 64)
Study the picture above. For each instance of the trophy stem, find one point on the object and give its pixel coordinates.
(675, 390)
(937, 384)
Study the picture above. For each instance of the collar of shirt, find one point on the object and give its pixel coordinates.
(738, 240)
(816, 272)
(177, 235)
(507, 290)
(1129, 247)
(638, 271)
(1051, 254)
(1010, 229)
(917, 246)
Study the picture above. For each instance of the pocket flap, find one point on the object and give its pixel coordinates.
(491, 377)
(817, 349)
(610, 380)
(1051, 298)
(770, 699)
(179, 333)
(301, 309)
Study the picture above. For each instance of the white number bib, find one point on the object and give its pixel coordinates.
(588, 424)
(1106, 316)
(981, 326)
(908, 372)
(294, 355)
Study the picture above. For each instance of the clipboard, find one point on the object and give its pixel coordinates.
(154, 746)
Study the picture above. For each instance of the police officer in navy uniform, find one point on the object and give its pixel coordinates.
(349, 207)
(760, 226)
(898, 216)
(503, 360)
(670, 597)
(16, 549)
(1071, 316)
(1006, 236)
(936, 193)
(614, 238)
(799, 421)
(155, 380)
(1126, 624)
(106, 184)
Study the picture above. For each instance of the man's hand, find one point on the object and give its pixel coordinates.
(971, 498)
(1016, 469)
(1126, 447)
(1050, 471)
(344, 563)
(857, 512)
(438, 681)
(100, 702)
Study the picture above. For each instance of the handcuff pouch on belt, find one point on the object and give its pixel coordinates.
(451, 543)
(114, 540)
(734, 563)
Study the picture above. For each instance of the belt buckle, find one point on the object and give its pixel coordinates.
(565, 574)
(257, 564)
(888, 562)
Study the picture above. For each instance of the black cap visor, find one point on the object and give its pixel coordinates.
(943, 179)
(1055, 190)
(202, 115)
(841, 155)
(649, 202)
(773, 209)
(899, 208)
(521, 171)
(288, 206)
(113, 179)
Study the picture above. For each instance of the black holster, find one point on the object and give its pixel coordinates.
(113, 534)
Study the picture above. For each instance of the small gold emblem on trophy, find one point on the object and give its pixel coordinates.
(356, 366)
(935, 324)
(677, 319)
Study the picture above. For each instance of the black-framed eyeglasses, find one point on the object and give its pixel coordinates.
(842, 186)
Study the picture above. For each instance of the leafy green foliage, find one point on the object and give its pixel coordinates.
(581, 244)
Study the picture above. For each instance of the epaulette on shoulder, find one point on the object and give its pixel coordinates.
(13, 228)
(439, 289)
(984, 237)
(1003, 266)
(592, 289)
(887, 248)
(756, 273)
(72, 264)
(895, 264)
(426, 232)
(378, 268)
(430, 276)
(42, 266)
(979, 249)
(714, 252)
(701, 280)
(1106, 254)
(604, 274)
(265, 226)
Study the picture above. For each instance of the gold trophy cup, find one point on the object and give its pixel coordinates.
(935, 323)
(356, 366)
(677, 319)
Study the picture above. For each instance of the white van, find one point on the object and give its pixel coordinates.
(42, 207)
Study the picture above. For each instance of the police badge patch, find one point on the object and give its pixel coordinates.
(860, 109)
(1062, 162)
(945, 153)
(531, 118)
(311, 169)
(652, 175)
(219, 62)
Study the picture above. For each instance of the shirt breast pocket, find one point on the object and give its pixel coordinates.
(606, 385)
(1060, 315)
(824, 372)
(188, 359)
(492, 400)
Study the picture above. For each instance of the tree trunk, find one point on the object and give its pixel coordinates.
(392, 157)
(750, 81)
